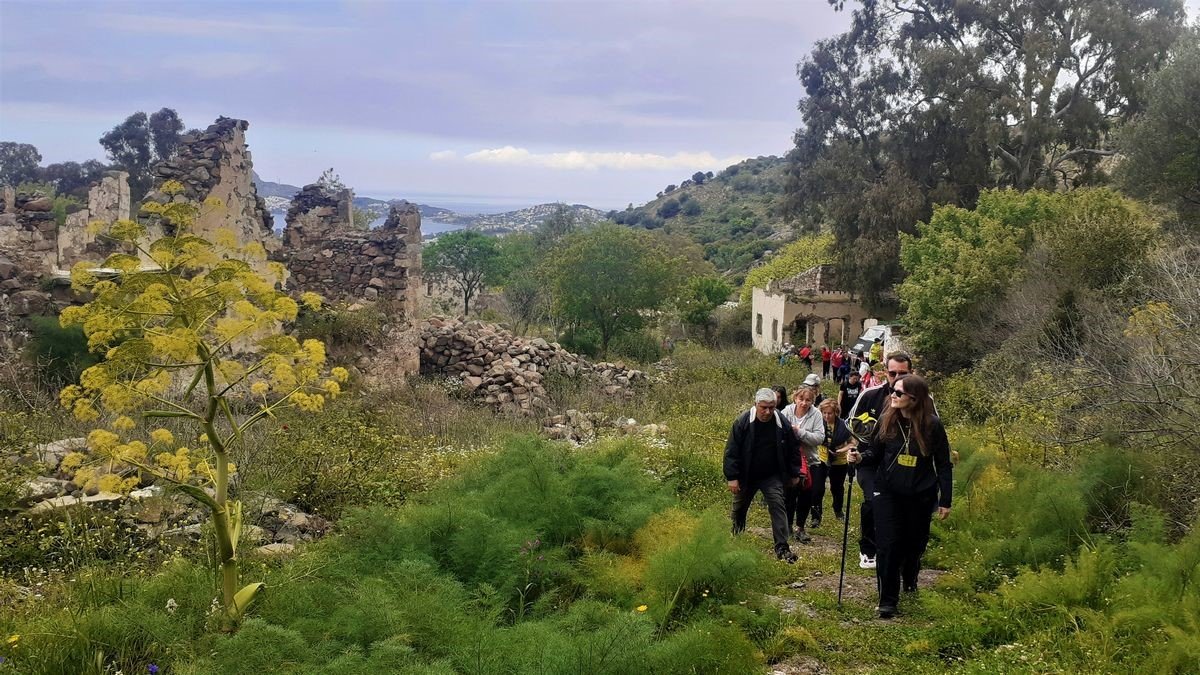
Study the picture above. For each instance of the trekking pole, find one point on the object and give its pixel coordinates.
(845, 534)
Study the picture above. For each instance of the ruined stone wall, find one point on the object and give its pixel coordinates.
(108, 201)
(324, 254)
(217, 164)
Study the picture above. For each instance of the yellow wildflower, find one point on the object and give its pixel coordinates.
(331, 388)
(260, 388)
(102, 441)
(124, 423)
(163, 436)
(642, 608)
(286, 308)
(340, 374)
(311, 300)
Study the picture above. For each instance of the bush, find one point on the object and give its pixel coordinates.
(340, 326)
(585, 341)
(640, 346)
(61, 353)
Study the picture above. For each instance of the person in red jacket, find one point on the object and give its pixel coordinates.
(826, 357)
(835, 362)
(806, 356)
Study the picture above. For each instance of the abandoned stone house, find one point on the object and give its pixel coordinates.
(808, 308)
(319, 246)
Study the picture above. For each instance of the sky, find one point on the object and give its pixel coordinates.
(602, 103)
(595, 102)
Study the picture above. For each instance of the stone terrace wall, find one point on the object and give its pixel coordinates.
(217, 164)
(324, 254)
(506, 371)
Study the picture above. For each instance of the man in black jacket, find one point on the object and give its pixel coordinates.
(873, 402)
(763, 455)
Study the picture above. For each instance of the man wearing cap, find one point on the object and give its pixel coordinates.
(763, 455)
(813, 381)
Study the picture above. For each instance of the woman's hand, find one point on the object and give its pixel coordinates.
(853, 456)
(943, 512)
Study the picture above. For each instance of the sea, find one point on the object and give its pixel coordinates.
(464, 204)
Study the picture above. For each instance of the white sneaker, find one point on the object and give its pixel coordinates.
(865, 562)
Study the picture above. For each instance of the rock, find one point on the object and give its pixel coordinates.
(40, 204)
(8, 268)
(26, 303)
(277, 549)
(151, 512)
(56, 503)
(51, 454)
(101, 497)
(42, 488)
(255, 534)
(148, 492)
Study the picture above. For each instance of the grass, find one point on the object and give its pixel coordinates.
(496, 552)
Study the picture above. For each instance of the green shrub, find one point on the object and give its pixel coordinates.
(639, 346)
(585, 341)
(61, 353)
(340, 326)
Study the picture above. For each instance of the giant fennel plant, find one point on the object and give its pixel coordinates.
(189, 329)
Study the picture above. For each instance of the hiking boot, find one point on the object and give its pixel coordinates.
(910, 588)
(887, 611)
(865, 562)
(802, 536)
(788, 557)
(816, 523)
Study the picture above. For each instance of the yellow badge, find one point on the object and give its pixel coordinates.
(907, 460)
(823, 454)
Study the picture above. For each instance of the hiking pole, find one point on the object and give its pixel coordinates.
(861, 428)
(845, 533)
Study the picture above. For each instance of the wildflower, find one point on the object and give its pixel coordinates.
(13, 640)
(152, 669)
(172, 606)
(642, 608)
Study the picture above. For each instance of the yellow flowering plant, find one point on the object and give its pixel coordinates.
(186, 326)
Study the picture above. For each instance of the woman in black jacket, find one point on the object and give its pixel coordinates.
(913, 472)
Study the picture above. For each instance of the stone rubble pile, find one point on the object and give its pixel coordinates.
(278, 526)
(505, 371)
(581, 427)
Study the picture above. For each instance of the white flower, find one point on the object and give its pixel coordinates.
(172, 606)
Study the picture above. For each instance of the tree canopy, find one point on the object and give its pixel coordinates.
(18, 163)
(140, 142)
(605, 277)
(929, 102)
(465, 258)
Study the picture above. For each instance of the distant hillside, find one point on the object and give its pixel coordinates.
(279, 195)
(735, 214)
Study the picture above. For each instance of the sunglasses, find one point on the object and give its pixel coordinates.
(897, 373)
(899, 394)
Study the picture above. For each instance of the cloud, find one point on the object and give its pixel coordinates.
(621, 161)
(442, 155)
(216, 28)
(220, 65)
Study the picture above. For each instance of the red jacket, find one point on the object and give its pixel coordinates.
(825, 353)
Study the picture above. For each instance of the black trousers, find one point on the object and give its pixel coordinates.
(837, 486)
(773, 493)
(817, 494)
(825, 369)
(866, 513)
(901, 533)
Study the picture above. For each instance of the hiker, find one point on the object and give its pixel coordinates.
(813, 381)
(806, 422)
(911, 454)
(781, 396)
(806, 356)
(763, 455)
(826, 359)
(833, 453)
(874, 402)
(835, 362)
(850, 389)
(877, 351)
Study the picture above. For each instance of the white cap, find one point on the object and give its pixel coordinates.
(812, 380)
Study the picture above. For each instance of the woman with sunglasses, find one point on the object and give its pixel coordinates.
(911, 455)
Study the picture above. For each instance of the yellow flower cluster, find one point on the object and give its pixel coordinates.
(308, 402)
(176, 465)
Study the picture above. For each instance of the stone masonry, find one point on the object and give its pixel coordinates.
(505, 371)
(108, 201)
(325, 254)
(216, 164)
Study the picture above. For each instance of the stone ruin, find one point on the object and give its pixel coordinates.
(322, 250)
(273, 525)
(216, 164)
(325, 253)
(505, 371)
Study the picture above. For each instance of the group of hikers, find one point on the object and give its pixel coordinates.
(788, 447)
(837, 363)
